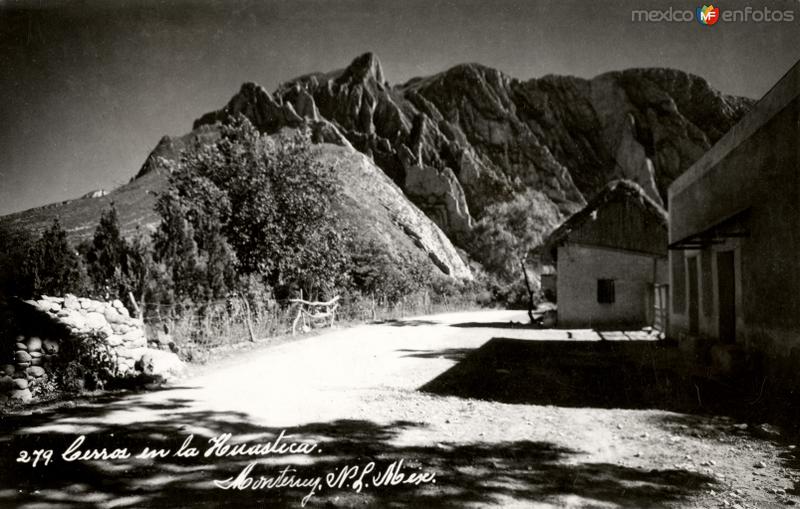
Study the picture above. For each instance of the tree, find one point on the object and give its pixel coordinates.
(248, 205)
(196, 261)
(108, 259)
(52, 267)
(15, 245)
(282, 222)
(507, 233)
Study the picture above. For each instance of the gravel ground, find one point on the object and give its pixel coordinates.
(355, 393)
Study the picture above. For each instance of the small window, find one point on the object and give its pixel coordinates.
(605, 291)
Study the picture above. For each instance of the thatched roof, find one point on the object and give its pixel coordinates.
(614, 192)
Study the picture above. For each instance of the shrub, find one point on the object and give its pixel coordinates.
(84, 363)
(374, 271)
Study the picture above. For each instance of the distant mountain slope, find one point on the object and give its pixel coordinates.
(79, 217)
(471, 136)
(457, 142)
(371, 205)
(134, 201)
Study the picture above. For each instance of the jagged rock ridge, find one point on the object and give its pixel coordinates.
(458, 142)
(471, 136)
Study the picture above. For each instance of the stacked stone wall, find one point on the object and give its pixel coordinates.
(40, 329)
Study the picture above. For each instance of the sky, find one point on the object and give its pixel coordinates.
(87, 88)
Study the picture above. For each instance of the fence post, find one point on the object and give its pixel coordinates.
(247, 318)
(136, 309)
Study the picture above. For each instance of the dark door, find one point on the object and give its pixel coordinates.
(727, 296)
(694, 301)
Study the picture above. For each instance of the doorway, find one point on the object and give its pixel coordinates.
(726, 278)
(694, 301)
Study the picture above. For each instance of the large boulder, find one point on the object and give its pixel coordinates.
(161, 364)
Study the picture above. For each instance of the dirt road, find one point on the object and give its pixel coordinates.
(366, 435)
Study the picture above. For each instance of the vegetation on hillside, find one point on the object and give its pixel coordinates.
(47, 265)
(247, 223)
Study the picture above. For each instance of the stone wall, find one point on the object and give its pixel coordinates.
(41, 327)
(28, 367)
(124, 334)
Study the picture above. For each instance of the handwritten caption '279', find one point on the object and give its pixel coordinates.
(355, 477)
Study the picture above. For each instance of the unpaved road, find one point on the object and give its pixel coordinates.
(354, 393)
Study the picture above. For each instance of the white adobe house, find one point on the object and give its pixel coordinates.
(611, 261)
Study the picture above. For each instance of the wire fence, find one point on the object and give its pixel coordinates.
(198, 327)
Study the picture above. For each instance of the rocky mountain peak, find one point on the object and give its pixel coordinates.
(366, 67)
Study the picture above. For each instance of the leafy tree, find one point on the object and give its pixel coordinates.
(508, 232)
(506, 235)
(247, 205)
(108, 258)
(52, 266)
(196, 261)
(14, 248)
(282, 222)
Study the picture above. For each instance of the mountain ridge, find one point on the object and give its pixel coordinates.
(460, 141)
(470, 136)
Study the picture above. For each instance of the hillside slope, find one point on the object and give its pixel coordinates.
(371, 205)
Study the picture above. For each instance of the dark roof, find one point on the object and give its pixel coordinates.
(615, 191)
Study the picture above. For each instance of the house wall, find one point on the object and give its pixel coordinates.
(579, 268)
(754, 168)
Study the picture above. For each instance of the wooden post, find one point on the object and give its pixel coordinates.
(296, 319)
(247, 318)
(135, 306)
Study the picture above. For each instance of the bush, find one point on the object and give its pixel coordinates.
(374, 271)
(84, 363)
(511, 295)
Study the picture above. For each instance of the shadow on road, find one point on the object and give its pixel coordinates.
(523, 471)
(452, 354)
(495, 325)
(407, 323)
(575, 373)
